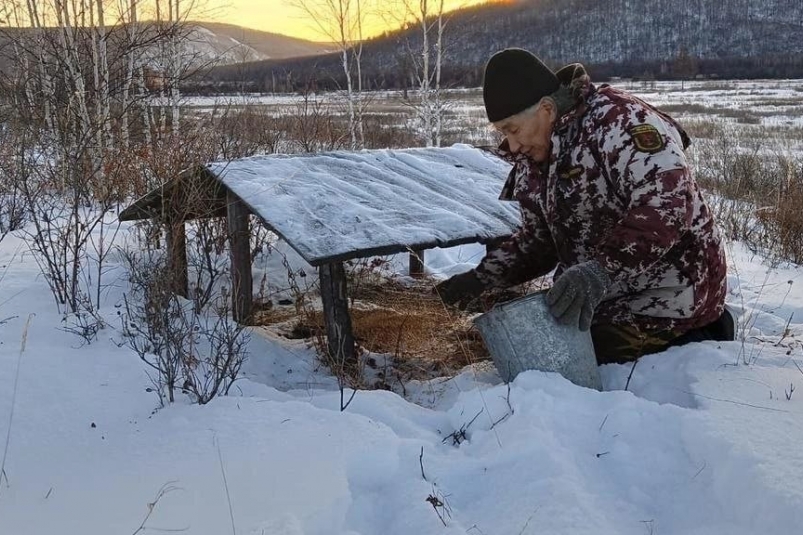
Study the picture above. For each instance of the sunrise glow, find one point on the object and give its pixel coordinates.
(280, 16)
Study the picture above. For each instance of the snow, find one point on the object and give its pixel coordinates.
(346, 205)
(704, 441)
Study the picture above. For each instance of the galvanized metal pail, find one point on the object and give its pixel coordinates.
(522, 335)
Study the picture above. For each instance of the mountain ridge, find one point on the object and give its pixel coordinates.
(660, 38)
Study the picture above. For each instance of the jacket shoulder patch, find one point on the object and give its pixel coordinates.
(646, 138)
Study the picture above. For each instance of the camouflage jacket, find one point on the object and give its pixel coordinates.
(617, 189)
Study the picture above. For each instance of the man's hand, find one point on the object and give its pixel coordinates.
(576, 294)
(461, 289)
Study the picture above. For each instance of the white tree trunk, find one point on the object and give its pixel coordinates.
(335, 19)
(438, 63)
(145, 105)
(105, 94)
(45, 79)
(97, 149)
(176, 65)
(426, 107)
(127, 82)
(358, 61)
(350, 98)
(74, 81)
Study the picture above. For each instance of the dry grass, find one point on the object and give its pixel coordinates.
(422, 337)
(272, 316)
(783, 221)
(414, 326)
(758, 182)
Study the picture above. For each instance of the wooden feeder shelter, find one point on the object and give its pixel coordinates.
(334, 207)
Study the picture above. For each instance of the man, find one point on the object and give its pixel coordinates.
(607, 198)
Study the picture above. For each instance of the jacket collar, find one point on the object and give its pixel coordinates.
(573, 95)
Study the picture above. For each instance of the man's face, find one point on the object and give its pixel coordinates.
(529, 132)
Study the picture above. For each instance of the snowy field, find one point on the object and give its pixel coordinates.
(706, 440)
(774, 104)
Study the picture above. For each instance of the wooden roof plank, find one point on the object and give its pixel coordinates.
(338, 206)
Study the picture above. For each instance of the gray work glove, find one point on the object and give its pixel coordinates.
(577, 292)
(460, 289)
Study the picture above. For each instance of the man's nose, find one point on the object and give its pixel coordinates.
(513, 144)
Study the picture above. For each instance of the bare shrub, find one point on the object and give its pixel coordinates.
(77, 111)
(687, 108)
(757, 191)
(741, 116)
(207, 259)
(311, 127)
(155, 321)
(783, 221)
(86, 323)
(68, 230)
(197, 352)
(365, 271)
(214, 368)
(701, 128)
(383, 131)
(12, 207)
(247, 130)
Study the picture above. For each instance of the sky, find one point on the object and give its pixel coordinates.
(279, 16)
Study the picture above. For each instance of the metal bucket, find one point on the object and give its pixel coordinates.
(523, 335)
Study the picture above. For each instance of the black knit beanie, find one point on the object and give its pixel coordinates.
(515, 80)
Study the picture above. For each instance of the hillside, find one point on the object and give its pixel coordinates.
(265, 44)
(728, 38)
(206, 44)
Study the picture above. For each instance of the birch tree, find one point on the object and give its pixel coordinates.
(73, 94)
(427, 61)
(341, 21)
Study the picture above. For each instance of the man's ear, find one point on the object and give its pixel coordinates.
(550, 107)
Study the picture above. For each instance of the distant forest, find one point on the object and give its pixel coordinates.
(656, 39)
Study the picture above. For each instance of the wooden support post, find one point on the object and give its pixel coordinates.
(334, 295)
(494, 244)
(417, 264)
(240, 253)
(176, 237)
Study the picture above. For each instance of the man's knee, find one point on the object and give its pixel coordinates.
(626, 343)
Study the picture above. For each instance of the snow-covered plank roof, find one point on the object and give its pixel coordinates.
(343, 205)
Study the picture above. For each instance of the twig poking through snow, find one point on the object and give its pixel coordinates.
(441, 507)
(528, 522)
(785, 332)
(460, 435)
(465, 352)
(700, 471)
(23, 343)
(421, 462)
(797, 366)
(226, 486)
(740, 403)
(509, 408)
(603, 422)
(627, 385)
(166, 489)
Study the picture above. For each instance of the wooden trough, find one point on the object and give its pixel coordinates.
(334, 207)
